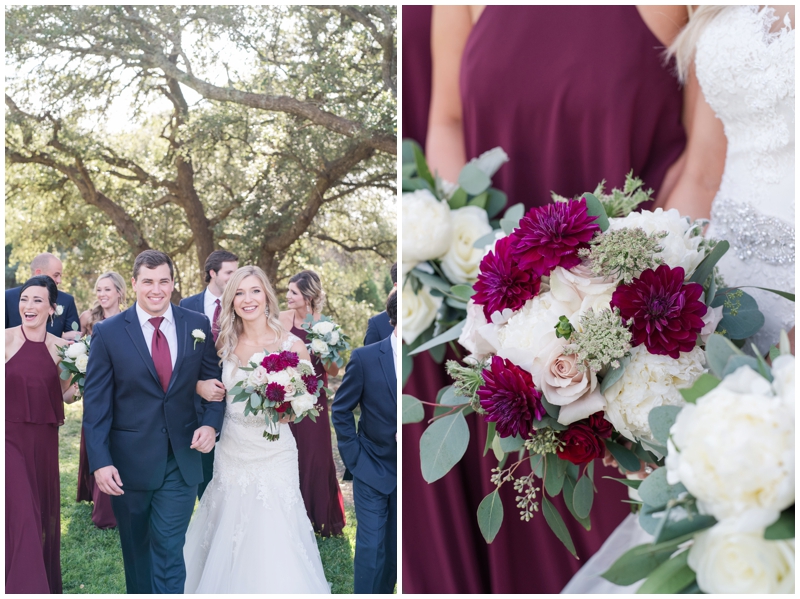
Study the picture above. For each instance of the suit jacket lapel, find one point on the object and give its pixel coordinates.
(181, 332)
(135, 331)
(387, 363)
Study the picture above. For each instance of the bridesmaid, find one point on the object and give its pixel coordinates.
(574, 95)
(34, 411)
(110, 290)
(318, 484)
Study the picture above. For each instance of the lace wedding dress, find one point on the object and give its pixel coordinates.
(251, 533)
(746, 72)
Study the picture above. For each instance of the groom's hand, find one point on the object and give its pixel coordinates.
(203, 439)
(108, 480)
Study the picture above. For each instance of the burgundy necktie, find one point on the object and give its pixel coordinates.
(215, 321)
(160, 351)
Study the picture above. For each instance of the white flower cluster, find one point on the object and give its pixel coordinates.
(734, 451)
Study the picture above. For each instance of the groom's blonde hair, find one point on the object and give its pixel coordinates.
(230, 324)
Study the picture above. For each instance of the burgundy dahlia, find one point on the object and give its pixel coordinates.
(275, 392)
(551, 235)
(501, 283)
(661, 311)
(510, 399)
(310, 382)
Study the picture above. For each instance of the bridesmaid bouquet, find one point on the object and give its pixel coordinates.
(582, 319)
(74, 359)
(326, 340)
(278, 384)
(722, 510)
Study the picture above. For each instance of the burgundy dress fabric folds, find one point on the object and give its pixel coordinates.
(34, 411)
(318, 484)
(574, 95)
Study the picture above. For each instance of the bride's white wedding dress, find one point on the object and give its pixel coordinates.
(746, 72)
(251, 533)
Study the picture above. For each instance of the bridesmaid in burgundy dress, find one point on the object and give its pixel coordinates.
(318, 484)
(110, 289)
(574, 95)
(34, 411)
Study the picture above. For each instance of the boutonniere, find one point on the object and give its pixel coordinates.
(199, 337)
(59, 309)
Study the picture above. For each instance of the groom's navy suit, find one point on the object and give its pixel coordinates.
(130, 422)
(370, 381)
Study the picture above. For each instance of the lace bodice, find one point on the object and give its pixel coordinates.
(746, 72)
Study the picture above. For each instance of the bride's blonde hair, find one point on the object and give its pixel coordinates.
(230, 323)
(685, 44)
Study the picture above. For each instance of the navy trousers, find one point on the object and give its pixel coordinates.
(375, 567)
(152, 529)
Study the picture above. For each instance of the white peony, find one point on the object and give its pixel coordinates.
(476, 331)
(462, 259)
(319, 347)
(733, 557)
(284, 379)
(649, 380)
(303, 403)
(75, 350)
(81, 362)
(333, 338)
(734, 449)
(258, 376)
(581, 288)
(419, 311)
(323, 327)
(427, 227)
(679, 247)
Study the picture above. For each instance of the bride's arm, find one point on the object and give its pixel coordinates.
(450, 27)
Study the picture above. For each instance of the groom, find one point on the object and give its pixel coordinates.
(141, 425)
(371, 455)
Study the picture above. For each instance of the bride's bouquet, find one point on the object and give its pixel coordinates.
(326, 340)
(583, 318)
(74, 360)
(722, 510)
(278, 384)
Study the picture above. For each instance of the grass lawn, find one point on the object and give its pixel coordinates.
(91, 559)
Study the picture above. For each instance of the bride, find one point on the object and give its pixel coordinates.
(740, 169)
(251, 533)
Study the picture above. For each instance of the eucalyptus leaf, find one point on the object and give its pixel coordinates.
(449, 335)
(705, 383)
(473, 180)
(557, 525)
(594, 207)
(490, 515)
(671, 576)
(583, 497)
(442, 445)
(661, 419)
(706, 266)
(413, 410)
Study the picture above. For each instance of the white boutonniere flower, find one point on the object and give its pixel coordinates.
(198, 336)
(59, 309)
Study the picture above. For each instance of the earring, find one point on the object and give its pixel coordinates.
(266, 311)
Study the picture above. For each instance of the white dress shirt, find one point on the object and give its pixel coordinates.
(210, 304)
(167, 327)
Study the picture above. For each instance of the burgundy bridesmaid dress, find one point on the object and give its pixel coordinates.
(34, 411)
(574, 95)
(318, 484)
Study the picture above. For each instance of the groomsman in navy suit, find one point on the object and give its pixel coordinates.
(140, 419)
(61, 325)
(370, 381)
(378, 327)
(219, 267)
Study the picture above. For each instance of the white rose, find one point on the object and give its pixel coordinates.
(334, 337)
(427, 228)
(558, 377)
(474, 337)
(323, 327)
(319, 347)
(419, 311)
(680, 248)
(81, 363)
(711, 320)
(258, 376)
(734, 449)
(581, 284)
(284, 379)
(649, 380)
(733, 557)
(75, 350)
(462, 259)
(303, 403)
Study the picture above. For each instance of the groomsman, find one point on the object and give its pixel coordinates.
(61, 325)
(219, 267)
(378, 327)
(370, 381)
